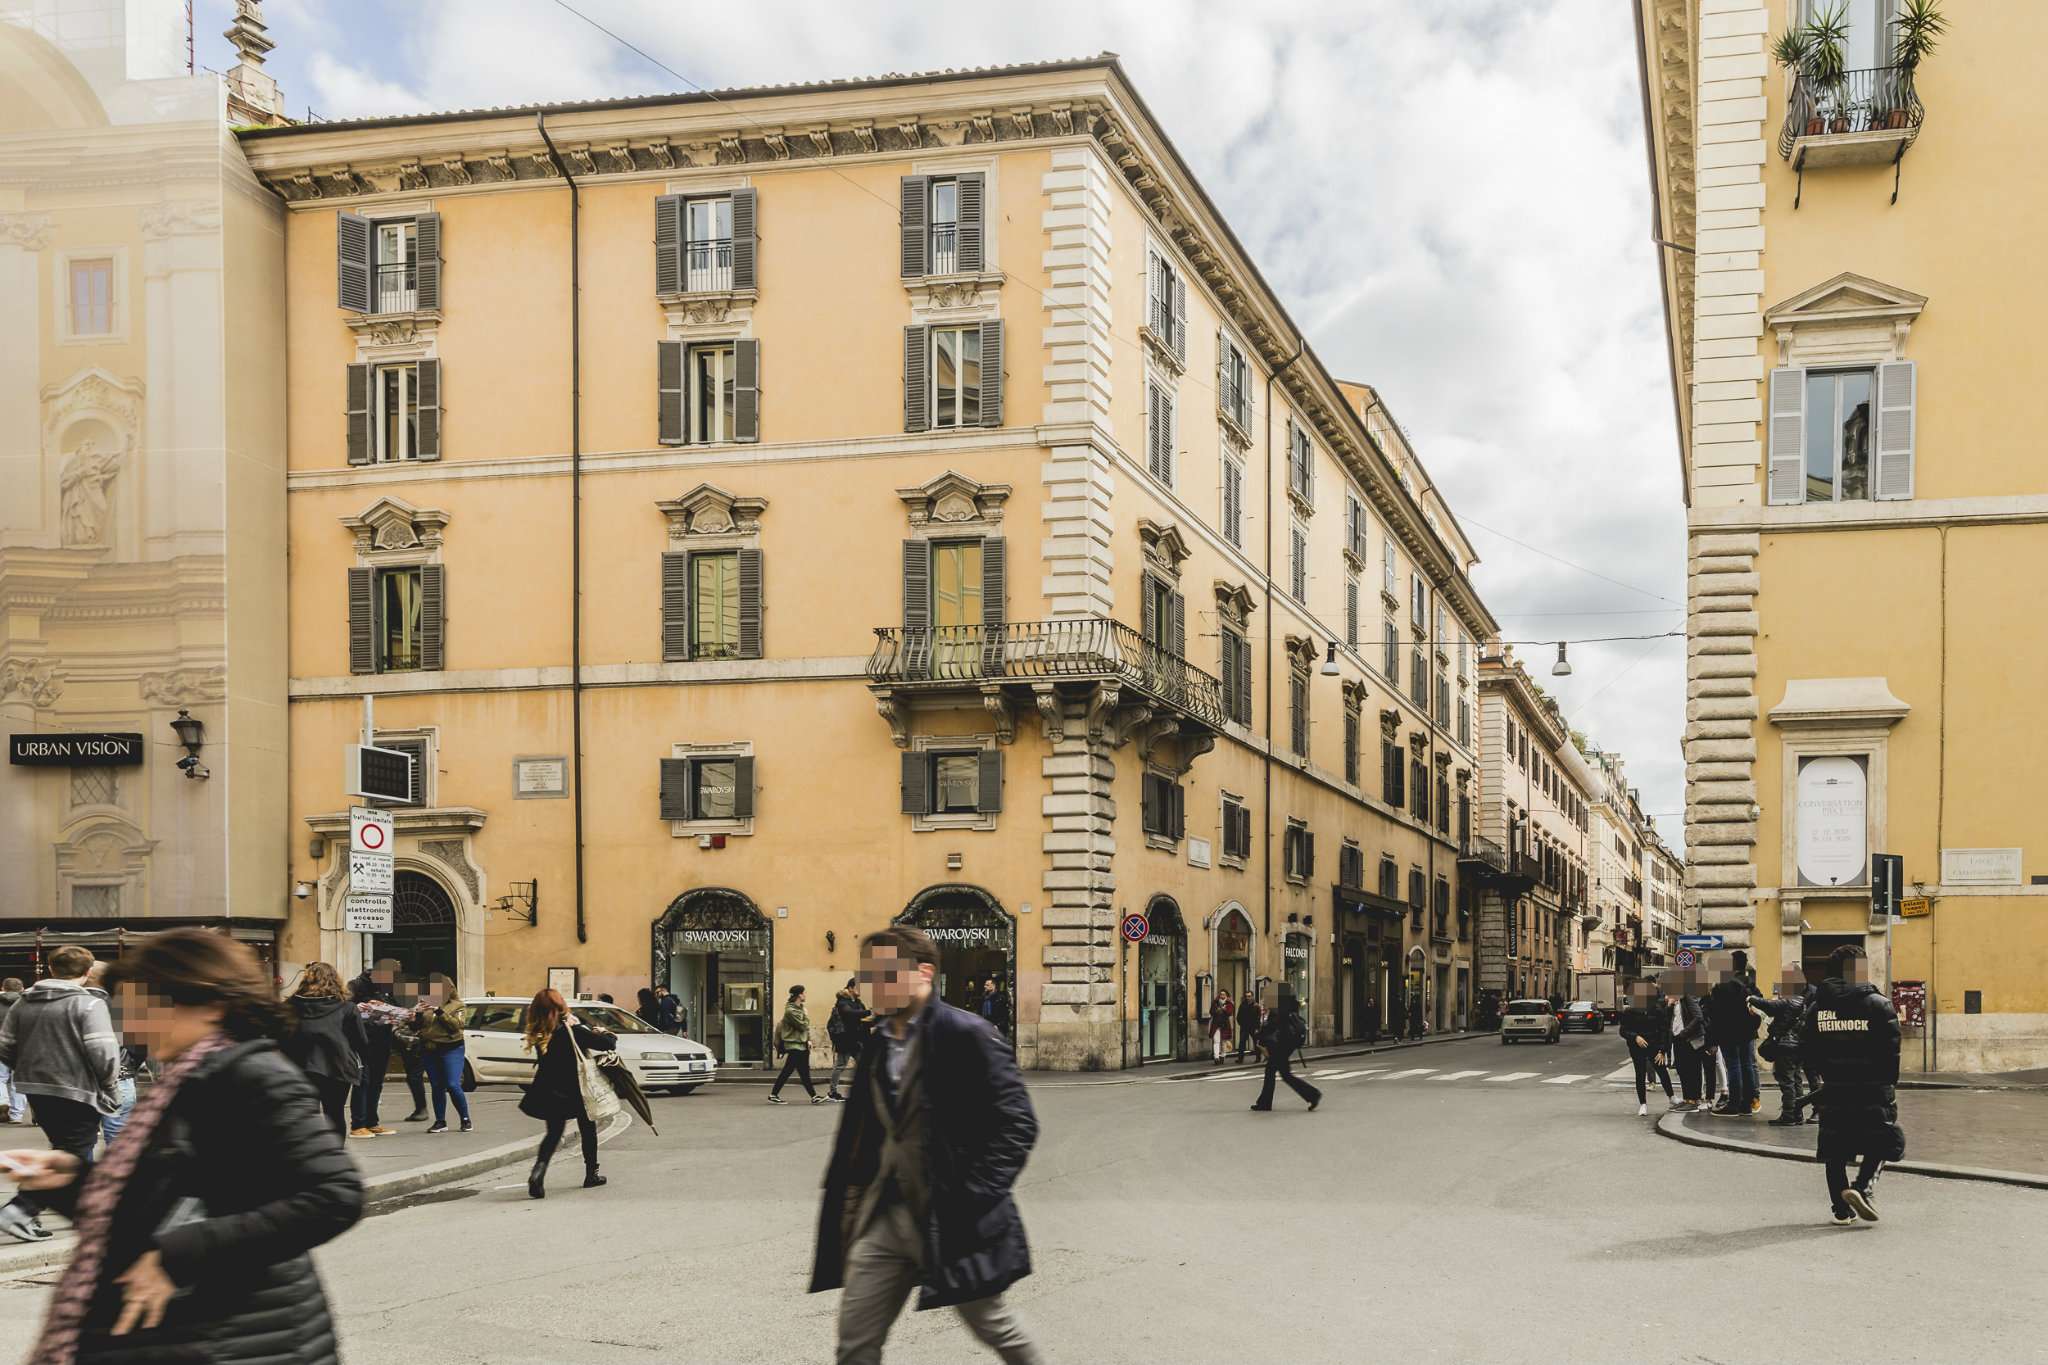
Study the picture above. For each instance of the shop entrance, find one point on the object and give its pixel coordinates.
(422, 936)
(713, 949)
(1295, 955)
(1234, 954)
(1162, 983)
(977, 942)
(1356, 988)
(1813, 957)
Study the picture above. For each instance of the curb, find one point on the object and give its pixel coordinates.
(1672, 1126)
(42, 1255)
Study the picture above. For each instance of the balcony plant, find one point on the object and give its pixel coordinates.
(1792, 51)
(1827, 33)
(1918, 26)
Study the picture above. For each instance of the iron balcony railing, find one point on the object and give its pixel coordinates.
(397, 287)
(1078, 649)
(945, 248)
(1480, 849)
(1868, 101)
(707, 265)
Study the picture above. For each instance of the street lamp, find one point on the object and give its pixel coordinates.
(1329, 669)
(191, 734)
(1563, 667)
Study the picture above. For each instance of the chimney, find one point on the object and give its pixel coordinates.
(253, 96)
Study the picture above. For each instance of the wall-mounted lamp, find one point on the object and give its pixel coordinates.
(1330, 661)
(1563, 667)
(191, 734)
(524, 902)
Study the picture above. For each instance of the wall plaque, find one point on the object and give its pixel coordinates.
(540, 776)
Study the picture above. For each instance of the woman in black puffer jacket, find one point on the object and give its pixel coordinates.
(1646, 1028)
(194, 1228)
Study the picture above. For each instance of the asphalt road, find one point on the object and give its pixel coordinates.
(1447, 1214)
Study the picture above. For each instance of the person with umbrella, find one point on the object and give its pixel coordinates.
(554, 1036)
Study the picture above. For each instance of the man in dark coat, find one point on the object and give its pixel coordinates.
(372, 988)
(1786, 1013)
(935, 1132)
(1849, 1042)
(1734, 1029)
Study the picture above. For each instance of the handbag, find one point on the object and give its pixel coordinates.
(600, 1101)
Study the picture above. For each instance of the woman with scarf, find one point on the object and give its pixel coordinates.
(556, 1096)
(194, 1228)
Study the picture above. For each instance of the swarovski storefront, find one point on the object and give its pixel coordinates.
(977, 942)
(713, 948)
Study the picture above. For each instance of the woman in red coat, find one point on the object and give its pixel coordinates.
(1220, 1012)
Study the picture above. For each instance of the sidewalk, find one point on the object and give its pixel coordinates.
(1990, 1135)
(1974, 1080)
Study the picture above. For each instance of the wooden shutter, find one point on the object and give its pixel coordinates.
(917, 585)
(358, 409)
(1176, 801)
(989, 794)
(1177, 625)
(433, 609)
(917, 390)
(915, 784)
(1155, 295)
(669, 386)
(1148, 610)
(1244, 683)
(668, 244)
(675, 789)
(352, 262)
(1155, 423)
(1150, 818)
(743, 787)
(427, 262)
(415, 749)
(1227, 669)
(675, 605)
(1787, 477)
(971, 220)
(1244, 831)
(746, 391)
(1233, 498)
(995, 576)
(1891, 462)
(914, 190)
(750, 604)
(743, 239)
(428, 393)
(362, 620)
(1180, 317)
(992, 372)
(1351, 612)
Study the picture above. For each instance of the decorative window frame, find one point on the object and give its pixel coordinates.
(429, 736)
(392, 533)
(939, 300)
(1821, 717)
(953, 504)
(686, 829)
(117, 297)
(105, 850)
(1234, 605)
(1165, 549)
(392, 338)
(708, 314)
(953, 820)
(1172, 776)
(1226, 798)
(1850, 320)
(1158, 350)
(1292, 877)
(710, 518)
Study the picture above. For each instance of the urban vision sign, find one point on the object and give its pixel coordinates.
(74, 751)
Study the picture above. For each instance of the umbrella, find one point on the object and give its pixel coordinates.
(623, 1081)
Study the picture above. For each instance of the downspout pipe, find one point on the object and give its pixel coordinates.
(540, 123)
(1266, 813)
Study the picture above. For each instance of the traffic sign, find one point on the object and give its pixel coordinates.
(1709, 942)
(369, 830)
(1686, 957)
(370, 872)
(1887, 884)
(366, 912)
(1136, 927)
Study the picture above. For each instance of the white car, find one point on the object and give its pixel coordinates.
(660, 1061)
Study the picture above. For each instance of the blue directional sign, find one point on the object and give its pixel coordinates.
(1710, 942)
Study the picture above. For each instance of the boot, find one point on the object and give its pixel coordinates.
(536, 1179)
(591, 1178)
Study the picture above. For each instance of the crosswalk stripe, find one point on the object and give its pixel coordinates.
(1456, 1075)
(1623, 1073)
(1347, 1075)
(1323, 1075)
(1510, 1076)
(1411, 1071)
(1566, 1079)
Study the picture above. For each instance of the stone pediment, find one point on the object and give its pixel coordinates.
(1848, 297)
(952, 498)
(708, 510)
(1164, 545)
(395, 524)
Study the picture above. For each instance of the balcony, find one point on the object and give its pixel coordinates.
(707, 266)
(1512, 873)
(397, 287)
(1867, 118)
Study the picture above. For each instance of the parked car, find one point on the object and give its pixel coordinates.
(1529, 1019)
(498, 1055)
(1582, 1014)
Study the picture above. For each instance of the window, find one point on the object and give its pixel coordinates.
(1351, 610)
(1297, 712)
(1161, 808)
(1443, 803)
(1159, 432)
(1351, 865)
(1167, 306)
(957, 604)
(96, 902)
(715, 605)
(1233, 500)
(1298, 852)
(956, 376)
(1418, 779)
(1464, 723)
(394, 265)
(92, 297)
(944, 249)
(1392, 769)
(398, 616)
(1443, 697)
(713, 787)
(95, 787)
(395, 618)
(1233, 383)
(1237, 677)
(1354, 528)
(1297, 562)
(395, 418)
(1418, 603)
(1387, 566)
(1157, 613)
(1418, 677)
(1351, 728)
(961, 785)
(710, 392)
(710, 398)
(1300, 464)
(1237, 829)
(704, 245)
(1440, 908)
(707, 244)
(415, 747)
(1390, 879)
(956, 783)
(1416, 886)
(1837, 439)
(1393, 659)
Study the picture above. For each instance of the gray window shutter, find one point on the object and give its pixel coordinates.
(916, 379)
(359, 414)
(1351, 612)
(427, 263)
(1180, 317)
(433, 609)
(971, 220)
(746, 390)
(1308, 853)
(668, 244)
(1244, 682)
(1177, 799)
(743, 787)
(992, 372)
(916, 784)
(917, 585)
(1177, 626)
(428, 445)
(675, 605)
(750, 604)
(1149, 814)
(743, 239)
(352, 262)
(675, 789)
(669, 379)
(1227, 670)
(416, 749)
(362, 620)
(1892, 462)
(1787, 478)
(995, 577)
(1155, 296)
(989, 795)
(915, 189)
(1148, 610)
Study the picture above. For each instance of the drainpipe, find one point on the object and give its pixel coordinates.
(575, 507)
(1300, 347)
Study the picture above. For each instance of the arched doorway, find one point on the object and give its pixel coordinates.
(422, 936)
(713, 948)
(1234, 953)
(1162, 983)
(977, 942)
(1418, 999)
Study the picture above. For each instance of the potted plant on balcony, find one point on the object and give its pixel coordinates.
(1791, 51)
(1827, 32)
(1918, 25)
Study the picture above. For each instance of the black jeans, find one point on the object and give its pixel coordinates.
(1790, 1086)
(1838, 1179)
(797, 1059)
(70, 1126)
(1646, 1063)
(1690, 1064)
(369, 1090)
(333, 1094)
(1279, 1067)
(585, 1129)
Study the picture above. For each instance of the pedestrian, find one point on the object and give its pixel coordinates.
(604, 998)
(650, 1005)
(918, 1192)
(1283, 1034)
(1415, 1029)
(1735, 1035)
(202, 1257)
(1221, 1012)
(412, 1053)
(59, 1039)
(1646, 1028)
(995, 1005)
(847, 1028)
(132, 1060)
(793, 1041)
(1397, 1010)
(1688, 1042)
(553, 1036)
(437, 1022)
(1249, 1013)
(327, 1040)
(15, 1109)
(1781, 1045)
(1849, 1043)
(667, 1010)
(369, 996)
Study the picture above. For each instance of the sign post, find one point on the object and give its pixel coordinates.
(1887, 890)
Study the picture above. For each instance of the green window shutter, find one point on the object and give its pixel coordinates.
(750, 604)
(1786, 481)
(433, 609)
(669, 379)
(352, 262)
(675, 789)
(428, 446)
(916, 784)
(746, 391)
(916, 379)
(992, 372)
(427, 262)
(743, 787)
(914, 191)
(989, 794)
(362, 620)
(743, 239)
(668, 244)
(1897, 388)
(675, 606)
(358, 414)
(971, 229)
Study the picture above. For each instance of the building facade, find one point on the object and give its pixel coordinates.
(1840, 307)
(768, 517)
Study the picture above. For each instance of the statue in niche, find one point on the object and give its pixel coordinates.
(87, 511)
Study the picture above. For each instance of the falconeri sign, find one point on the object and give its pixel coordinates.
(74, 751)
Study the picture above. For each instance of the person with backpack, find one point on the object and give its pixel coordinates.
(13, 1104)
(1646, 1029)
(793, 1041)
(60, 1040)
(847, 1027)
(1283, 1034)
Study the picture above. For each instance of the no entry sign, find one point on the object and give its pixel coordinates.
(369, 830)
(1136, 927)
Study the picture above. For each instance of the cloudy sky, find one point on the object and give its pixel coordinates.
(1450, 195)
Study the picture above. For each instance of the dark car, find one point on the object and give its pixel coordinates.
(1583, 1014)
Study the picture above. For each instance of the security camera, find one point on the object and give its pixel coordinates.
(301, 890)
(193, 768)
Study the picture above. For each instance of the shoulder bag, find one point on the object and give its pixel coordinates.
(600, 1101)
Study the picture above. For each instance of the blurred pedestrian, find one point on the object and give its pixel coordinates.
(132, 1060)
(1221, 1013)
(1689, 1042)
(59, 1039)
(1781, 1045)
(553, 1035)
(847, 1028)
(1735, 1034)
(649, 1007)
(1283, 1034)
(1249, 1012)
(438, 1024)
(370, 995)
(326, 1040)
(793, 1040)
(668, 1010)
(1645, 1027)
(13, 1104)
(1849, 1039)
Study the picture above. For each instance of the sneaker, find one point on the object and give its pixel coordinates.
(777, 1099)
(1785, 1121)
(1756, 1106)
(1642, 1110)
(836, 1098)
(381, 1131)
(416, 1116)
(1845, 1220)
(467, 1126)
(1860, 1202)
(19, 1223)
(440, 1126)
(818, 1099)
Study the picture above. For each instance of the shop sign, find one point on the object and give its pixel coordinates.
(1913, 907)
(726, 940)
(1832, 793)
(1294, 950)
(979, 933)
(75, 750)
